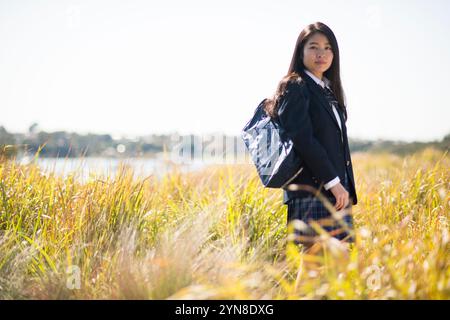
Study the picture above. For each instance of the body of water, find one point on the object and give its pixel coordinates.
(99, 166)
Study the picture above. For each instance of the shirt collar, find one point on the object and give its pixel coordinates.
(322, 83)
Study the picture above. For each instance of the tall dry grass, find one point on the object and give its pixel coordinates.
(218, 234)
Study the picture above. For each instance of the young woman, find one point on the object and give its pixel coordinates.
(309, 105)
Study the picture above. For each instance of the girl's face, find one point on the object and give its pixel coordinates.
(317, 54)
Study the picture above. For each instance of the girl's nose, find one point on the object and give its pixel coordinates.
(321, 53)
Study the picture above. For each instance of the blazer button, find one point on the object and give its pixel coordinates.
(348, 163)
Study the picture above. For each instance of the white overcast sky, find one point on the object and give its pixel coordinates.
(141, 67)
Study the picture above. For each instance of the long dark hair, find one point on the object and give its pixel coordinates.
(296, 69)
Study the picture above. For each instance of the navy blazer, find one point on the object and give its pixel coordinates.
(309, 121)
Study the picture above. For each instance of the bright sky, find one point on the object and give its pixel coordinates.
(141, 67)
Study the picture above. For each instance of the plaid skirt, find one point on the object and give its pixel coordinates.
(308, 209)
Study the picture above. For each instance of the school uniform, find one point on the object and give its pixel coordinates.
(311, 117)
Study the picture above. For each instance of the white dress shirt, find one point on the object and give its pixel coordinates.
(323, 83)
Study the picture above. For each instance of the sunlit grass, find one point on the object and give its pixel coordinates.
(218, 234)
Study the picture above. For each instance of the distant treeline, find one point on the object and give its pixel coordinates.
(397, 147)
(68, 144)
(65, 144)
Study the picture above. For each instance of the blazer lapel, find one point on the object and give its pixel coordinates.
(315, 88)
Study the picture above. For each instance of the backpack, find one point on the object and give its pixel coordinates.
(271, 150)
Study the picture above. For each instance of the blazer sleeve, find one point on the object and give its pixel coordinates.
(294, 117)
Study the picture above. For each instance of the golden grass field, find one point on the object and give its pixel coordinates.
(218, 234)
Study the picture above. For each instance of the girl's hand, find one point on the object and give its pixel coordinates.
(341, 195)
